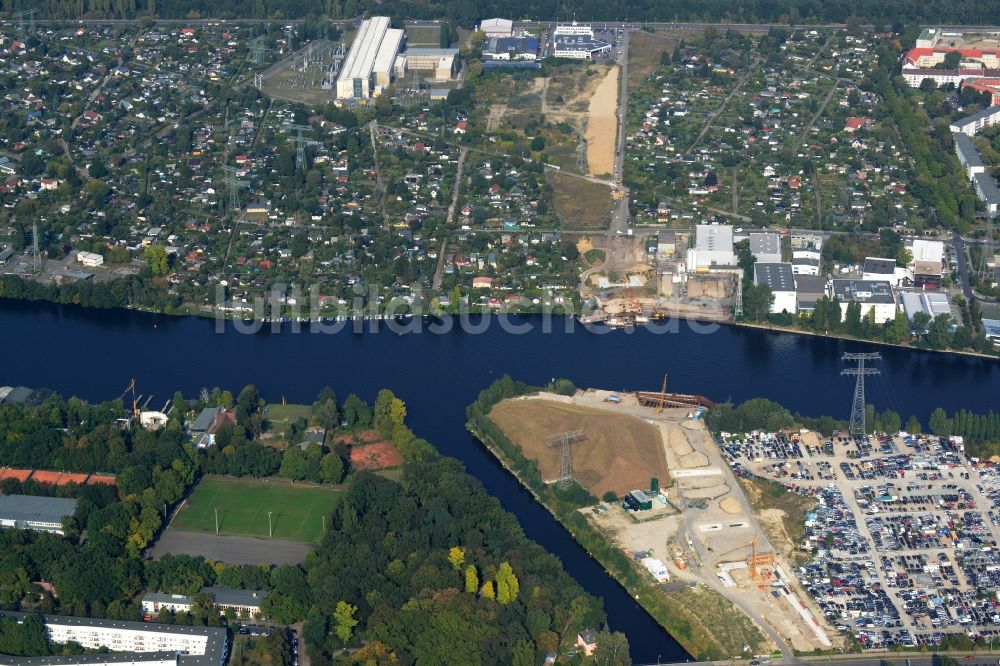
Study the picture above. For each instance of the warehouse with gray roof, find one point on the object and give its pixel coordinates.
(30, 512)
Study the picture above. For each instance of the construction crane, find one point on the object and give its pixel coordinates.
(135, 401)
(663, 395)
(757, 561)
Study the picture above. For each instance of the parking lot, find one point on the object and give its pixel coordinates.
(903, 533)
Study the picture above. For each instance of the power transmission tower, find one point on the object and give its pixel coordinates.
(300, 145)
(564, 442)
(858, 408)
(738, 301)
(34, 248)
(233, 186)
(25, 22)
(581, 156)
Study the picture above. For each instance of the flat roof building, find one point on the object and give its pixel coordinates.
(713, 247)
(968, 155)
(781, 280)
(578, 46)
(874, 295)
(970, 125)
(929, 302)
(145, 642)
(986, 190)
(368, 67)
(808, 290)
(30, 512)
(497, 27)
(766, 247)
(439, 62)
(881, 268)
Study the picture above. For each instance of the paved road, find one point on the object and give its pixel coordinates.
(619, 221)
(963, 265)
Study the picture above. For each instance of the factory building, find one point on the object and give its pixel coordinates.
(497, 27)
(713, 247)
(874, 296)
(927, 263)
(370, 63)
(766, 247)
(781, 280)
(438, 64)
(29, 512)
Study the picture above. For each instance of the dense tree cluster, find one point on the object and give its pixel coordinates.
(432, 569)
(466, 12)
(981, 432)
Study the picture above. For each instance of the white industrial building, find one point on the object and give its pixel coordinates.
(90, 259)
(931, 302)
(139, 643)
(881, 268)
(39, 513)
(874, 296)
(439, 64)
(713, 247)
(926, 267)
(766, 247)
(497, 27)
(778, 276)
(370, 63)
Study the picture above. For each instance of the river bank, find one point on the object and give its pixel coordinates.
(673, 610)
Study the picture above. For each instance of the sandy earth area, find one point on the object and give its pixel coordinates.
(602, 125)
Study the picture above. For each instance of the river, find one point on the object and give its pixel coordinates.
(94, 354)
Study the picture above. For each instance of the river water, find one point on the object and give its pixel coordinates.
(94, 354)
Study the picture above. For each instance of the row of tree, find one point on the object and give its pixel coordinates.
(467, 13)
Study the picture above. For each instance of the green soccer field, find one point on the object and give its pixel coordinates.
(297, 512)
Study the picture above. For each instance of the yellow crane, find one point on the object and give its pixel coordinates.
(663, 395)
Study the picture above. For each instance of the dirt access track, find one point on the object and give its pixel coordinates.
(620, 452)
(602, 125)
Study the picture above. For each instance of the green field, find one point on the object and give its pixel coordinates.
(296, 511)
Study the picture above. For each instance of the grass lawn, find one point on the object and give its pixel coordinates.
(579, 203)
(296, 510)
(281, 416)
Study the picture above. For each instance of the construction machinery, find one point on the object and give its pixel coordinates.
(757, 562)
(663, 395)
(135, 401)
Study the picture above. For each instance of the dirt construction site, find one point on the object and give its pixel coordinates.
(701, 525)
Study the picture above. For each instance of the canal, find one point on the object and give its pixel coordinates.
(94, 354)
